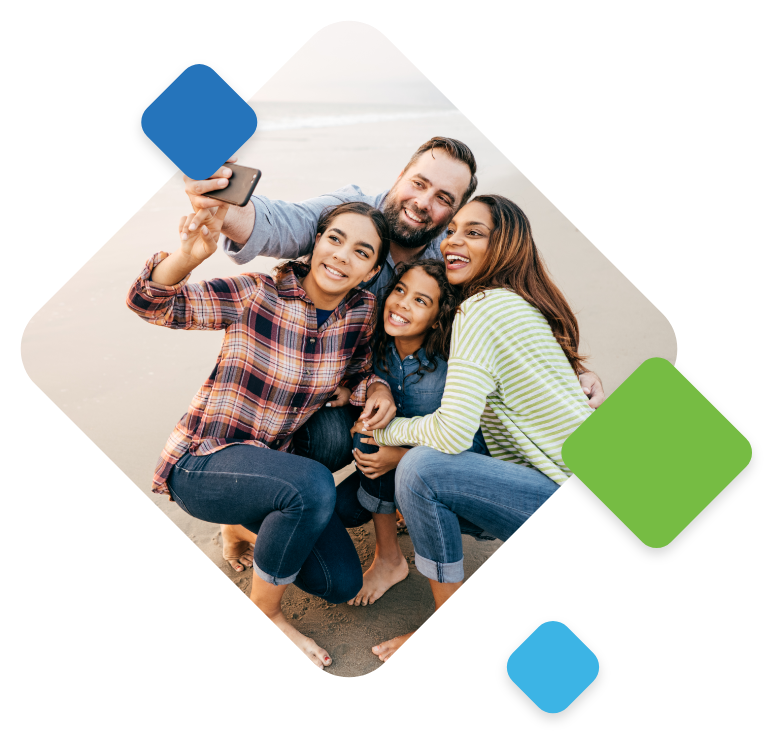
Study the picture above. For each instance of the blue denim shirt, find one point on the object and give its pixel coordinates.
(417, 395)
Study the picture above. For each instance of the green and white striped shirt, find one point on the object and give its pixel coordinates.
(508, 373)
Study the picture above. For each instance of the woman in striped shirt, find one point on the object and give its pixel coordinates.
(290, 344)
(513, 370)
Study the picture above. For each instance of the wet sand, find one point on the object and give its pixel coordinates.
(126, 383)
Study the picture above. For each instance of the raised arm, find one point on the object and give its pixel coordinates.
(161, 297)
(265, 227)
(238, 222)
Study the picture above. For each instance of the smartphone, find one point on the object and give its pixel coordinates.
(240, 187)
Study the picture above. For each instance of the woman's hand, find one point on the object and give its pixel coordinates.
(373, 465)
(195, 248)
(359, 427)
(198, 245)
(340, 398)
(592, 388)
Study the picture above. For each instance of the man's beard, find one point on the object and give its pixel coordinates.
(403, 234)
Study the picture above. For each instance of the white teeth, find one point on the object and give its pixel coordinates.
(452, 258)
(413, 216)
(397, 319)
(333, 272)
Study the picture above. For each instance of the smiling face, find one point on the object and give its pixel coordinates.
(412, 308)
(344, 255)
(467, 242)
(424, 198)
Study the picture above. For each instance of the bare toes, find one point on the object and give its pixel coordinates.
(321, 658)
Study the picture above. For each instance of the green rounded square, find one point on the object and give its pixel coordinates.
(656, 452)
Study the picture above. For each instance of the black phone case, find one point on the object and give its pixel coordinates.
(241, 186)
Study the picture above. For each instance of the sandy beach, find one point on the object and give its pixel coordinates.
(126, 383)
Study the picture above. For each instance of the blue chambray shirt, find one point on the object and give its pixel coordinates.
(417, 395)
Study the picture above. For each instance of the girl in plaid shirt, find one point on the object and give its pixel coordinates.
(291, 344)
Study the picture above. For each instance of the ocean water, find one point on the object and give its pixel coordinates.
(282, 115)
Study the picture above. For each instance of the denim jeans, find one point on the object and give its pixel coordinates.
(433, 489)
(325, 436)
(378, 495)
(288, 501)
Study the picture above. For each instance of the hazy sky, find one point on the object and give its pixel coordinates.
(350, 63)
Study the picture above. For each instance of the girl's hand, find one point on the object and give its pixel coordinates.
(374, 465)
(380, 408)
(198, 245)
(340, 398)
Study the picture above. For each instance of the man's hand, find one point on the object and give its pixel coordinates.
(239, 221)
(379, 408)
(195, 189)
(340, 398)
(592, 388)
(373, 465)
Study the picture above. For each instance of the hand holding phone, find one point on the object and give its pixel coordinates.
(240, 185)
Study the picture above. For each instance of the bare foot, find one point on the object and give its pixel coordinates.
(385, 649)
(379, 578)
(313, 652)
(236, 550)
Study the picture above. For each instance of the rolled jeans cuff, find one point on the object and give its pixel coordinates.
(443, 572)
(374, 504)
(272, 579)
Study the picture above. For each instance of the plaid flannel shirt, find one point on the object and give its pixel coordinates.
(275, 368)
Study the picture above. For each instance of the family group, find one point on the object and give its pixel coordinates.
(415, 332)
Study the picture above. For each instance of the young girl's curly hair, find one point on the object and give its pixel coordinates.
(438, 338)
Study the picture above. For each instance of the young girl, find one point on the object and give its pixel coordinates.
(513, 369)
(410, 354)
(290, 343)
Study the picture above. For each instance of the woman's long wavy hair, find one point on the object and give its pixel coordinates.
(437, 340)
(513, 263)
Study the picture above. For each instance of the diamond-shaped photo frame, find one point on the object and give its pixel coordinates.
(317, 131)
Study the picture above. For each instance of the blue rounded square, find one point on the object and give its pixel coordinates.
(553, 667)
(199, 122)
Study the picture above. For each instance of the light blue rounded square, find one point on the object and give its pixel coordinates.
(552, 667)
(199, 122)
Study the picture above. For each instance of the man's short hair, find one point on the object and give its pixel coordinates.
(454, 149)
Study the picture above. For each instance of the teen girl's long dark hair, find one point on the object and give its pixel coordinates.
(513, 263)
(437, 341)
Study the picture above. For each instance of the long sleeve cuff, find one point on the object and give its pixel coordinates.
(360, 394)
(148, 289)
(389, 436)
